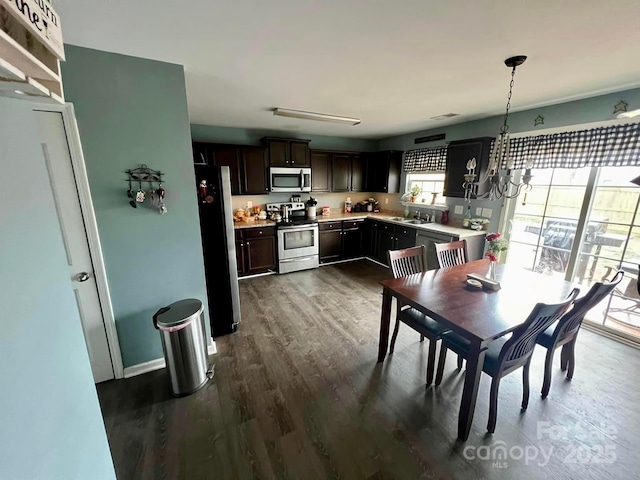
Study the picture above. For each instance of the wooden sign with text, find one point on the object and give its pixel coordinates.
(39, 18)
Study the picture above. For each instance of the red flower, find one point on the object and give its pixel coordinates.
(491, 257)
(493, 236)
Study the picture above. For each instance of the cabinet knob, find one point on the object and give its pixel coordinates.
(260, 232)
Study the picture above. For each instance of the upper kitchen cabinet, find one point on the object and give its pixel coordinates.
(320, 171)
(287, 152)
(340, 172)
(383, 171)
(248, 165)
(459, 152)
(228, 155)
(254, 165)
(357, 173)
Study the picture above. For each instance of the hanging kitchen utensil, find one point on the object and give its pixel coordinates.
(140, 194)
(130, 195)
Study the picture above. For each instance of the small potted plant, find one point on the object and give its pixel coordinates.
(414, 192)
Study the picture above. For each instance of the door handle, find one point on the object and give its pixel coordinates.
(82, 277)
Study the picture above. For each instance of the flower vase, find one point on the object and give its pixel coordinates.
(491, 274)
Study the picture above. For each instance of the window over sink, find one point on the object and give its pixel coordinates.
(428, 183)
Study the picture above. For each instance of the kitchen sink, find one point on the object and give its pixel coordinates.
(413, 221)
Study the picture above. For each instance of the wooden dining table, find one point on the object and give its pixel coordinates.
(480, 316)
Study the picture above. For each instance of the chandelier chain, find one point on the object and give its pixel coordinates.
(505, 126)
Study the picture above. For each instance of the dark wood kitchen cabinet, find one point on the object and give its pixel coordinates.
(383, 171)
(254, 163)
(287, 152)
(459, 152)
(340, 172)
(335, 171)
(320, 171)
(357, 172)
(340, 240)
(352, 238)
(330, 245)
(228, 155)
(256, 250)
(392, 237)
(248, 165)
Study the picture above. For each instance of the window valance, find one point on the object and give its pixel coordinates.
(425, 160)
(611, 146)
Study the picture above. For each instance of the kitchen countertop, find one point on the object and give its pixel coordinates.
(429, 227)
(335, 217)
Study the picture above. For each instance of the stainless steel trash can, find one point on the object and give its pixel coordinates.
(184, 342)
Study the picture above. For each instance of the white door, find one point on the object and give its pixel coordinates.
(55, 147)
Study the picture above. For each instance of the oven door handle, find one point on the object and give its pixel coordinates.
(298, 229)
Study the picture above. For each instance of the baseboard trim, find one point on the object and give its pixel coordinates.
(157, 364)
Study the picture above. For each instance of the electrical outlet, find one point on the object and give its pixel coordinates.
(249, 204)
(457, 209)
(486, 212)
(386, 200)
(478, 211)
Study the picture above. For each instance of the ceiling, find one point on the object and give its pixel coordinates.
(393, 64)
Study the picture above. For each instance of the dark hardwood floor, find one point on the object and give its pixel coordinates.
(297, 394)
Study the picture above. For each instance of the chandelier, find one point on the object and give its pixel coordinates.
(500, 182)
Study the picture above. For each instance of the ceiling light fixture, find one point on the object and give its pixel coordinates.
(323, 117)
(19, 92)
(500, 185)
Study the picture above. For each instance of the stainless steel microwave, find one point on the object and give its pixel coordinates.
(285, 179)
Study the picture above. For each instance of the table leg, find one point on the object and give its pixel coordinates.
(470, 391)
(385, 320)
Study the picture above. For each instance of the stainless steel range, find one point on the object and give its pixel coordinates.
(298, 239)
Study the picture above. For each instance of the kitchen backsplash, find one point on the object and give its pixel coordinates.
(334, 200)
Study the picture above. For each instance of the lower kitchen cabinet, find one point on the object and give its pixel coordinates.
(256, 250)
(340, 240)
(352, 238)
(390, 237)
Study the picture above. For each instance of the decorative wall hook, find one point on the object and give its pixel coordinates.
(146, 178)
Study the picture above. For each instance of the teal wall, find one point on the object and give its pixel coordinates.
(247, 136)
(50, 420)
(132, 111)
(594, 109)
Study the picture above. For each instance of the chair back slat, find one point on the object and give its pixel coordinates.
(520, 346)
(452, 253)
(406, 261)
(571, 322)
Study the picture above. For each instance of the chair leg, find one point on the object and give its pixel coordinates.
(493, 404)
(548, 364)
(441, 361)
(421, 338)
(460, 360)
(525, 385)
(571, 358)
(394, 336)
(431, 360)
(564, 358)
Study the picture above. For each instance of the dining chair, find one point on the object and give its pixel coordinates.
(402, 263)
(565, 332)
(452, 253)
(504, 356)
(449, 255)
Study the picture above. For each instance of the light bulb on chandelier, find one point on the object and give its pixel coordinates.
(500, 185)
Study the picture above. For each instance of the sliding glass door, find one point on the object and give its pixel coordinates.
(583, 225)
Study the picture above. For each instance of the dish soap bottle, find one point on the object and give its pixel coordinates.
(466, 221)
(406, 211)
